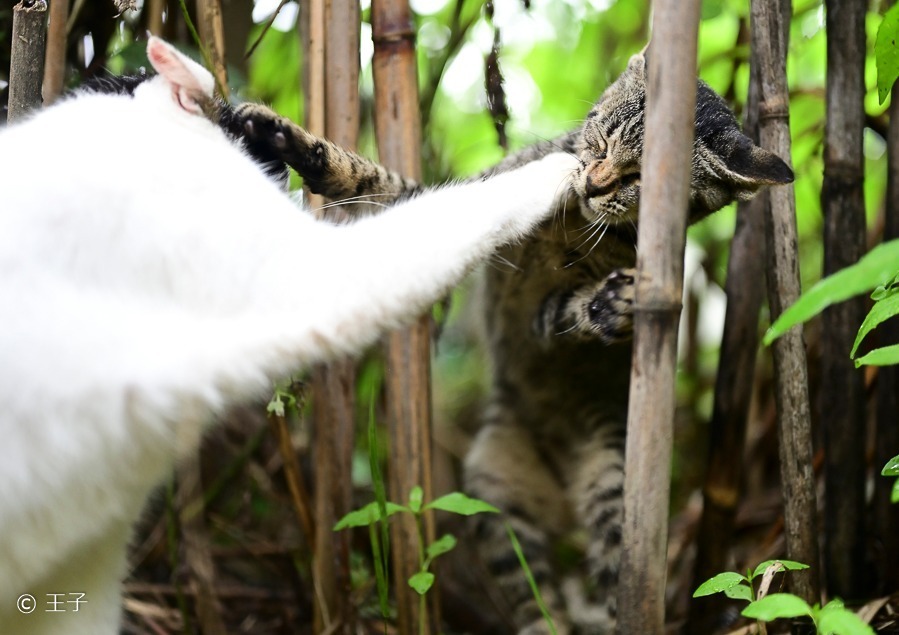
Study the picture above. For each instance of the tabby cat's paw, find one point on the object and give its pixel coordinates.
(260, 124)
(610, 310)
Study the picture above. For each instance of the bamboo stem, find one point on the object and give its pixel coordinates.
(842, 390)
(770, 20)
(733, 388)
(670, 112)
(212, 33)
(26, 57)
(55, 58)
(398, 131)
(332, 110)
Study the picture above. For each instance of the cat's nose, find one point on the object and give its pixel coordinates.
(600, 182)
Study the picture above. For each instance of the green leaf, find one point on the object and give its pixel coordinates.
(441, 546)
(788, 565)
(777, 605)
(718, 583)
(891, 468)
(886, 53)
(875, 268)
(459, 503)
(835, 619)
(894, 496)
(415, 497)
(739, 592)
(422, 581)
(884, 356)
(883, 309)
(367, 515)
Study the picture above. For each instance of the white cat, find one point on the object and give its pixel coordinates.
(150, 276)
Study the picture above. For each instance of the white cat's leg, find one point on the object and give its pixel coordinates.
(80, 597)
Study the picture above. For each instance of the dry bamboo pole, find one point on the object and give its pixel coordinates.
(26, 57)
(670, 113)
(408, 373)
(212, 33)
(733, 389)
(331, 40)
(885, 515)
(770, 21)
(55, 58)
(155, 9)
(190, 496)
(842, 387)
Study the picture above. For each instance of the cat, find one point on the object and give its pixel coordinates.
(550, 451)
(152, 275)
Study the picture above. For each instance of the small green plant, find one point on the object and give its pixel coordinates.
(831, 619)
(376, 513)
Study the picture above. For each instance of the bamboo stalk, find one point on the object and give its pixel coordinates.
(733, 388)
(398, 131)
(842, 389)
(331, 41)
(212, 33)
(770, 20)
(670, 112)
(26, 57)
(55, 58)
(155, 9)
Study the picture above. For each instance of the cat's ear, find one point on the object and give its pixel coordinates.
(191, 84)
(749, 166)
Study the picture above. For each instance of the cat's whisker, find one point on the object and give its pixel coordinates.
(568, 330)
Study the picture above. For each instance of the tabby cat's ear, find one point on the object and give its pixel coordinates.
(749, 166)
(191, 84)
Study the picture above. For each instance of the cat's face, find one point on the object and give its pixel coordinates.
(726, 164)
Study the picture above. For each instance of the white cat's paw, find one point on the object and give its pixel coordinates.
(555, 172)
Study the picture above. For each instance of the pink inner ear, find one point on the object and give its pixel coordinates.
(186, 89)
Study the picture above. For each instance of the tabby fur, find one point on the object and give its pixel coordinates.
(550, 451)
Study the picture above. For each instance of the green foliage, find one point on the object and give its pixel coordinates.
(876, 270)
(887, 53)
(832, 619)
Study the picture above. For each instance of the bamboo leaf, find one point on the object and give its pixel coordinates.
(777, 605)
(891, 468)
(459, 503)
(884, 356)
(887, 53)
(894, 496)
(877, 267)
(719, 583)
(883, 309)
(422, 581)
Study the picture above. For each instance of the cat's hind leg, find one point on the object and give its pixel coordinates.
(504, 468)
(597, 486)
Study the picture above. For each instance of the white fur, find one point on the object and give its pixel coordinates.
(150, 275)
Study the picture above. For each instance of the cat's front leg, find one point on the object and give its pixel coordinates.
(601, 311)
(326, 168)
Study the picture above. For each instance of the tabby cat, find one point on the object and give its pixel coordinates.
(550, 452)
